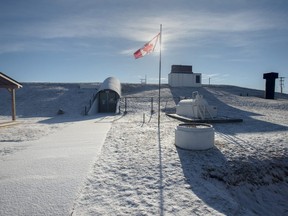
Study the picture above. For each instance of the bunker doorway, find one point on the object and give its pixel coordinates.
(108, 101)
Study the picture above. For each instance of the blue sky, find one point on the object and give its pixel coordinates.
(232, 42)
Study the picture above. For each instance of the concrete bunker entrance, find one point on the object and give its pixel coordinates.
(107, 101)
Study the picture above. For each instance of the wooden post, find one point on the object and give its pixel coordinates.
(13, 104)
(125, 111)
(152, 111)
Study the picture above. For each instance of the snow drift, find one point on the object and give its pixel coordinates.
(140, 170)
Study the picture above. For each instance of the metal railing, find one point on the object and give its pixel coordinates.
(91, 101)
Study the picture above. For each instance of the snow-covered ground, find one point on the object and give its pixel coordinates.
(141, 172)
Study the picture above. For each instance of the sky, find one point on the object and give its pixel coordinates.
(229, 42)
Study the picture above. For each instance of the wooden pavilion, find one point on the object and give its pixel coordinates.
(11, 85)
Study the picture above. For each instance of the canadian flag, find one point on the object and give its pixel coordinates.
(147, 48)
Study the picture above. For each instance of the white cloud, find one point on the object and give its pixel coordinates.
(22, 46)
(127, 52)
(156, 79)
(178, 26)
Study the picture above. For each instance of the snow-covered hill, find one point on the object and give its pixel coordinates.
(141, 172)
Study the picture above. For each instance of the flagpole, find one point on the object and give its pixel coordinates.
(159, 96)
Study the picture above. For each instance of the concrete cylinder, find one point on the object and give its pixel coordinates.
(195, 136)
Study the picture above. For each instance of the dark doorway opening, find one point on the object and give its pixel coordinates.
(107, 101)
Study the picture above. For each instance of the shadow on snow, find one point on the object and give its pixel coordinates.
(249, 123)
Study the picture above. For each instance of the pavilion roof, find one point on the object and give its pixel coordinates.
(8, 82)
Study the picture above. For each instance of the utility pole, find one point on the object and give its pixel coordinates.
(281, 84)
(144, 81)
(209, 80)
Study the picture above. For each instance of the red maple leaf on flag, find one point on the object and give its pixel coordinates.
(147, 48)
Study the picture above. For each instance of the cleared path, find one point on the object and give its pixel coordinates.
(45, 178)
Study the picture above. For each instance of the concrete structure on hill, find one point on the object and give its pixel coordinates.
(183, 76)
(107, 98)
(270, 84)
(11, 85)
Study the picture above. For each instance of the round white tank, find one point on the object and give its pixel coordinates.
(185, 108)
(196, 108)
(196, 136)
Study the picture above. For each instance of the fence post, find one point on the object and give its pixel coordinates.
(152, 111)
(125, 111)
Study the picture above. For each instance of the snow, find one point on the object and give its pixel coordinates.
(140, 171)
(44, 178)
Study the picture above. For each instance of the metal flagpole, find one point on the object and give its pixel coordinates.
(160, 41)
(159, 135)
